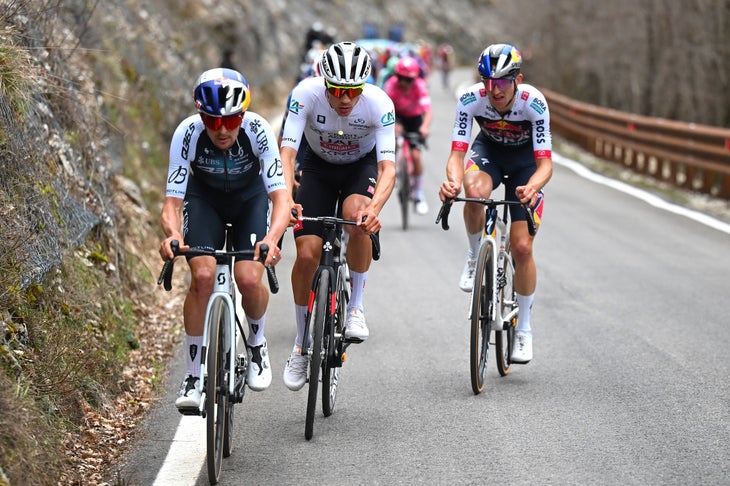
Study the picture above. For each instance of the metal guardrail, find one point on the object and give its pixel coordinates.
(686, 155)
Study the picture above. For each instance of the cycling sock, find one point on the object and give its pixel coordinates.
(300, 314)
(194, 343)
(474, 240)
(523, 319)
(417, 186)
(256, 330)
(358, 285)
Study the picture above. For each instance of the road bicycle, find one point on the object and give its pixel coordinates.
(223, 370)
(404, 173)
(326, 317)
(493, 297)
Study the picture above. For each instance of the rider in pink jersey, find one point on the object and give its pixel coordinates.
(514, 147)
(413, 116)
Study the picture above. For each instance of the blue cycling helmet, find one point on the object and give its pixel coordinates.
(500, 61)
(221, 92)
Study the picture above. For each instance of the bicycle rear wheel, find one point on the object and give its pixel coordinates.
(404, 190)
(216, 388)
(316, 326)
(481, 311)
(332, 364)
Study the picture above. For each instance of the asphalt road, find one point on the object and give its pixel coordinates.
(628, 385)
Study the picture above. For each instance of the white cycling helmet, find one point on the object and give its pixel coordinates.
(345, 64)
(500, 61)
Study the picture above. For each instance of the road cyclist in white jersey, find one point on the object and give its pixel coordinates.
(224, 168)
(514, 147)
(348, 129)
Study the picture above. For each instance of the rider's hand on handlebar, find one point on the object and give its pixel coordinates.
(295, 213)
(369, 221)
(166, 250)
(527, 195)
(273, 256)
(449, 190)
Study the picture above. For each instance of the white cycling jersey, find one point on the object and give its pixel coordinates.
(340, 139)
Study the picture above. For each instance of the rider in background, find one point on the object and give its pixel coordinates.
(348, 126)
(224, 168)
(412, 102)
(513, 146)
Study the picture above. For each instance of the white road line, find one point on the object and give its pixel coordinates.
(649, 198)
(187, 454)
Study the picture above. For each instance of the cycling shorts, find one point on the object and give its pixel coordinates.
(412, 129)
(512, 168)
(206, 211)
(324, 186)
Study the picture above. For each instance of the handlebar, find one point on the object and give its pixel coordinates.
(443, 215)
(374, 237)
(166, 273)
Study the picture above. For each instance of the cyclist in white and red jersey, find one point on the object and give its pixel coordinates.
(514, 147)
(412, 102)
(224, 168)
(347, 127)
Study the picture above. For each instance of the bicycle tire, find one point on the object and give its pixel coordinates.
(332, 365)
(504, 339)
(404, 190)
(481, 316)
(316, 326)
(216, 388)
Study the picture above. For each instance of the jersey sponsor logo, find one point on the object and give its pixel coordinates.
(339, 146)
(540, 131)
(462, 123)
(543, 154)
(321, 119)
(482, 92)
(298, 226)
(359, 124)
(459, 146)
(186, 141)
(295, 106)
(371, 190)
(505, 133)
(261, 139)
(177, 176)
(538, 106)
(525, 95)
(275, 169)
(467, 98)
(388, 119)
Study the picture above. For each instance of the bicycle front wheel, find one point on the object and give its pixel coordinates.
(503, 340)
(316, 325)
(332, 364)
(216, 387)
(481, 312)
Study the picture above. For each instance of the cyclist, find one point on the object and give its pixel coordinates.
(412, 102)
(224, 161)
(348, 126)
(513, 146)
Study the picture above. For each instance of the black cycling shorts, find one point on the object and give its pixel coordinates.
(412, 129)
(206, 212)
(324, 186)
(513, 168)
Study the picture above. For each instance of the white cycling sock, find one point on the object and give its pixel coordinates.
(300, 314)
(523, 319)
(358, 285)
(474, 240)
(194, 343)
(418, 186)
(256, 330)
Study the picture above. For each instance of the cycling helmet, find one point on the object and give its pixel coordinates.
(408, 67)
(500, 61)
(221, 92)
(345, 64)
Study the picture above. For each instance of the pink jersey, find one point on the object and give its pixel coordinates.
(413, 102)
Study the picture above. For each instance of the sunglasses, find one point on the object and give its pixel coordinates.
(405, 79)
(340, 91)
(502, 83)
(231, 122)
